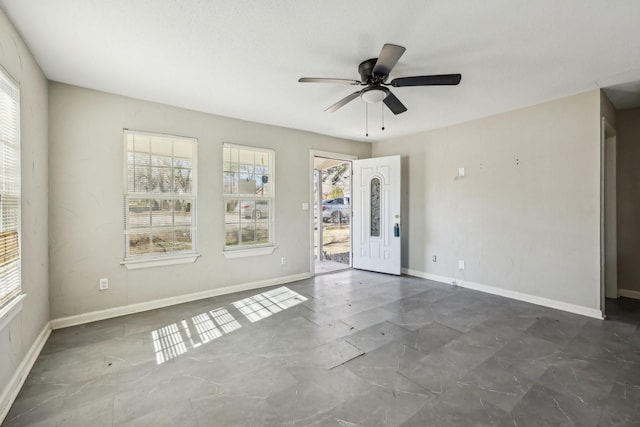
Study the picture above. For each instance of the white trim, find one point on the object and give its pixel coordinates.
(243, 253)
(12, 389)
(520, 296)
(429, 276)
(109, 313)
(158, 134)
(147, 262)
(628, 293)
(332, 155)
(10, 310)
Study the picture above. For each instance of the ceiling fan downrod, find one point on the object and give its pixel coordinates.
(366, 118)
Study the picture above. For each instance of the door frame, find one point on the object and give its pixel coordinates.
(607, 133)
(329, 155)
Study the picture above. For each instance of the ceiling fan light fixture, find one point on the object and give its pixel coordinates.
(374, 95)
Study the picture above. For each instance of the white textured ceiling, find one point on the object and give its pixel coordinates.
(243, 58)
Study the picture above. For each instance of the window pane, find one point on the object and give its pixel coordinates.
(9, 249)
(162, 241)
(248, 233)
(232, 234)
(182, 179)
(10, 212)
(138, 243)
(161, 180)
(375, 208)
(162, 213)
(139, 179)
(246, 158)
(161, 148)
(164, 166)
(139, 213)
(140, 158)
(247, 173)
(182, 152)
(246, 184)
(183, 240)
(264, 186)
(233, 215)
(182, 212)
(262, 231)
(230, 184)
(247, 222)
(142, 143)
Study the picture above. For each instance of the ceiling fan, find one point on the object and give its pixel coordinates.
(374, 73)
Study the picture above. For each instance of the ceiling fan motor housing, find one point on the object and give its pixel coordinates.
(366, 72)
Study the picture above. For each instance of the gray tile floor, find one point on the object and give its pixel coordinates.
(345, 349)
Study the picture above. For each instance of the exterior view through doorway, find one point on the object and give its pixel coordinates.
(331, 214)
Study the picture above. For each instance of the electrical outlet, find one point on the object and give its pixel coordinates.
(283, 260)
(435, 258)
(104, 284)
(460, 264)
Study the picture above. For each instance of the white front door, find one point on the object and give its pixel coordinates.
(376, 214)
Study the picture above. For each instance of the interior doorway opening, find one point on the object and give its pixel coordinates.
(608, 214)
(332, 214)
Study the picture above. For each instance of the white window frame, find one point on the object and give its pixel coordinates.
(151, 259)
(10, 270)
(240, 251)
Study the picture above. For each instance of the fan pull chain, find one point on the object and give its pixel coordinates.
(366, 114)
(382, 105)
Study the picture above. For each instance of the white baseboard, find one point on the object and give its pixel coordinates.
(12, 389)
(628, 293)
(520, 296)
(109, 313)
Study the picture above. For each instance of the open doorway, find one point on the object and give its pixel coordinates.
(331, 213)
(608, 214)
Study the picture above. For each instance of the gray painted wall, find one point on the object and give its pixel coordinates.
(19, 336)
(525, 218)
(86, 200)
(628, 179)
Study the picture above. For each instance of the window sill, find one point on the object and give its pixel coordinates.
(9, 311)
(135, 264)
(244, 253)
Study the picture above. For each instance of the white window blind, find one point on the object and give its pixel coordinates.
(160, 195)
(248, 189)
(10, 274)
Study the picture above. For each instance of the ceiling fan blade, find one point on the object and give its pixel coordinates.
(344, 101)
(394, 104)
(322, 80)
(435, 80)
(388, 58)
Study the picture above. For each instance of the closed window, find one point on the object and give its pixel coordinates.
(248, 188)
(160, 195)
(10, 233)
